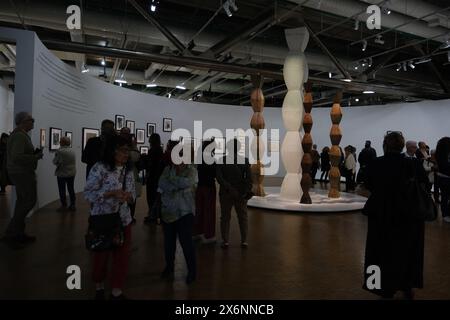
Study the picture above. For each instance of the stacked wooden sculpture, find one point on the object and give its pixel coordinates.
(307, 142)
(335, 153)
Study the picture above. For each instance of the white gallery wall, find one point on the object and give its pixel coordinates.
(63, 98)
(6, 108)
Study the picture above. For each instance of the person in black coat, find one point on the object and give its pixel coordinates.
(367, 155)
(325, 165)
(443, 175)
(395, 239)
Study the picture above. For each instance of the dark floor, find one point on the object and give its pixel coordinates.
(290, 256)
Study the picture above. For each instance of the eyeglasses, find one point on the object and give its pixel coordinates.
(397, 132)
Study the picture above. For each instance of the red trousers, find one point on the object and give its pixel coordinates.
(120, 259)
(205, 212)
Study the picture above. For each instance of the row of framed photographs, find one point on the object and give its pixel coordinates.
(54, 138)
(120, 123)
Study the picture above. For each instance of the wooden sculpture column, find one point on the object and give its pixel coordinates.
(307, 145)
(295, 72)
(335, 152)
(257, 123)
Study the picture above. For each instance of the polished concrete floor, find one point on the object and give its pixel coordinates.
(290, 256)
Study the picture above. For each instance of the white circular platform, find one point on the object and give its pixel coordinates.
(321, 202)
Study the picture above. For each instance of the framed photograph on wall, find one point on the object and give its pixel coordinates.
(55, 136)
(144, 150)
(43, 138)
(151, 128)
(140, 135)
(88, 133)
(68, 134)
(167, 125)
(131, 125)
(120, 121)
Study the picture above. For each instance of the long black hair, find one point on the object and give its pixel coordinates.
(112, 143)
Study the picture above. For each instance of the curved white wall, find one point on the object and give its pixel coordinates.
(65, 99)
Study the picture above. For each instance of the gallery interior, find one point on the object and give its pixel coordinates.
(284, 76)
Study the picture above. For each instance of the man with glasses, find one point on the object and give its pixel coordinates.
(22, 161)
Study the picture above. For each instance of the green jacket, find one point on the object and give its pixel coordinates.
(20, 153)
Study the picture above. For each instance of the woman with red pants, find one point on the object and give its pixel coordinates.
(107, 194)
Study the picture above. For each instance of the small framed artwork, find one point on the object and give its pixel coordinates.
(55, 136)
(151, 129)
(68, 134)
(144, 150)
(140, 135)
(167, 125)
(131, 125)
(120, 121)
(42, 139)
(88, 133)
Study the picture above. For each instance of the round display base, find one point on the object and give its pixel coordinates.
(320, 202)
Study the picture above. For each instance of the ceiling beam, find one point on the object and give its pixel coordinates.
(435, 69)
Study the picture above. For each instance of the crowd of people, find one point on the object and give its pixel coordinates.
(181, 197)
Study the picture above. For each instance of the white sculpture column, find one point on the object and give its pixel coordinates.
(295, 73)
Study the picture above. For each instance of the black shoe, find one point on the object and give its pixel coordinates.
(99, 295)
(25, 239)
(118, 298)
(167, 273)
(190, 278)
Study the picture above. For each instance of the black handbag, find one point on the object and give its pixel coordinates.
(419, 201)
(105, 232)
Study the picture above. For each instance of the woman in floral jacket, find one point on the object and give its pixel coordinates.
(106, 194)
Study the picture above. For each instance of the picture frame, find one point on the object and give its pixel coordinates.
(120, 122)
(43, 138)
(68, 134)
(88, 133)
(131, 125)
(167, 124)
(54, 135)
(144, 150)
(140, 135)
(151, 128)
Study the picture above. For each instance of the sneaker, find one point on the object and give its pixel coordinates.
(99, 295)
(447, 219)
(244, 245)
(225, 245)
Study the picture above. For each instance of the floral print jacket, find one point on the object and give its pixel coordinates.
(177, 193)
(102, 180)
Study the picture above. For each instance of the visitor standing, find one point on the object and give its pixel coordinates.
(107, 194)
(443, 163)
(325, 165)
(349, 169)
(395, 238)
(235, 190)
(411, 149)
(367, 155)
(22, 161)
(65, 172)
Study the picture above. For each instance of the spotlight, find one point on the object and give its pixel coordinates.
(226, 6)
(370, 62)
(386, 10)
(399, 67)
(379, 39)
(153, 5)
(181, 87)
(347, 80)
(364, 45)
(169, 95)
(356, 100)
(330, 75)
(411, 65)
(103, 62)
(121, 81)
(151, 85)
(368, 92)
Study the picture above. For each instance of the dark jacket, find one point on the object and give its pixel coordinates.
(235, 176)
(154, 165)
(366, 156)
(93, 152)
(21, 155)
(206, 175)
(325, 161)
(395, 240)
(443, 163)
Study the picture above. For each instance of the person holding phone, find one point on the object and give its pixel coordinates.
(22, 160)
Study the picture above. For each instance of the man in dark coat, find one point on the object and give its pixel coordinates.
(367, 155)
(93, 151)
(395, 239)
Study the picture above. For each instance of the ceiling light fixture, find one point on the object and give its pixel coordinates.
(370, 62)
(347, 80)
(181, 87)
(103, 62)
(230, 4)
(368, 92)
(121, 81)
(151, 85)
(330, 75)
(169, 95)
(399, 67)
(411, 65)
(364, 45)
(153, 5)
(357, 100)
